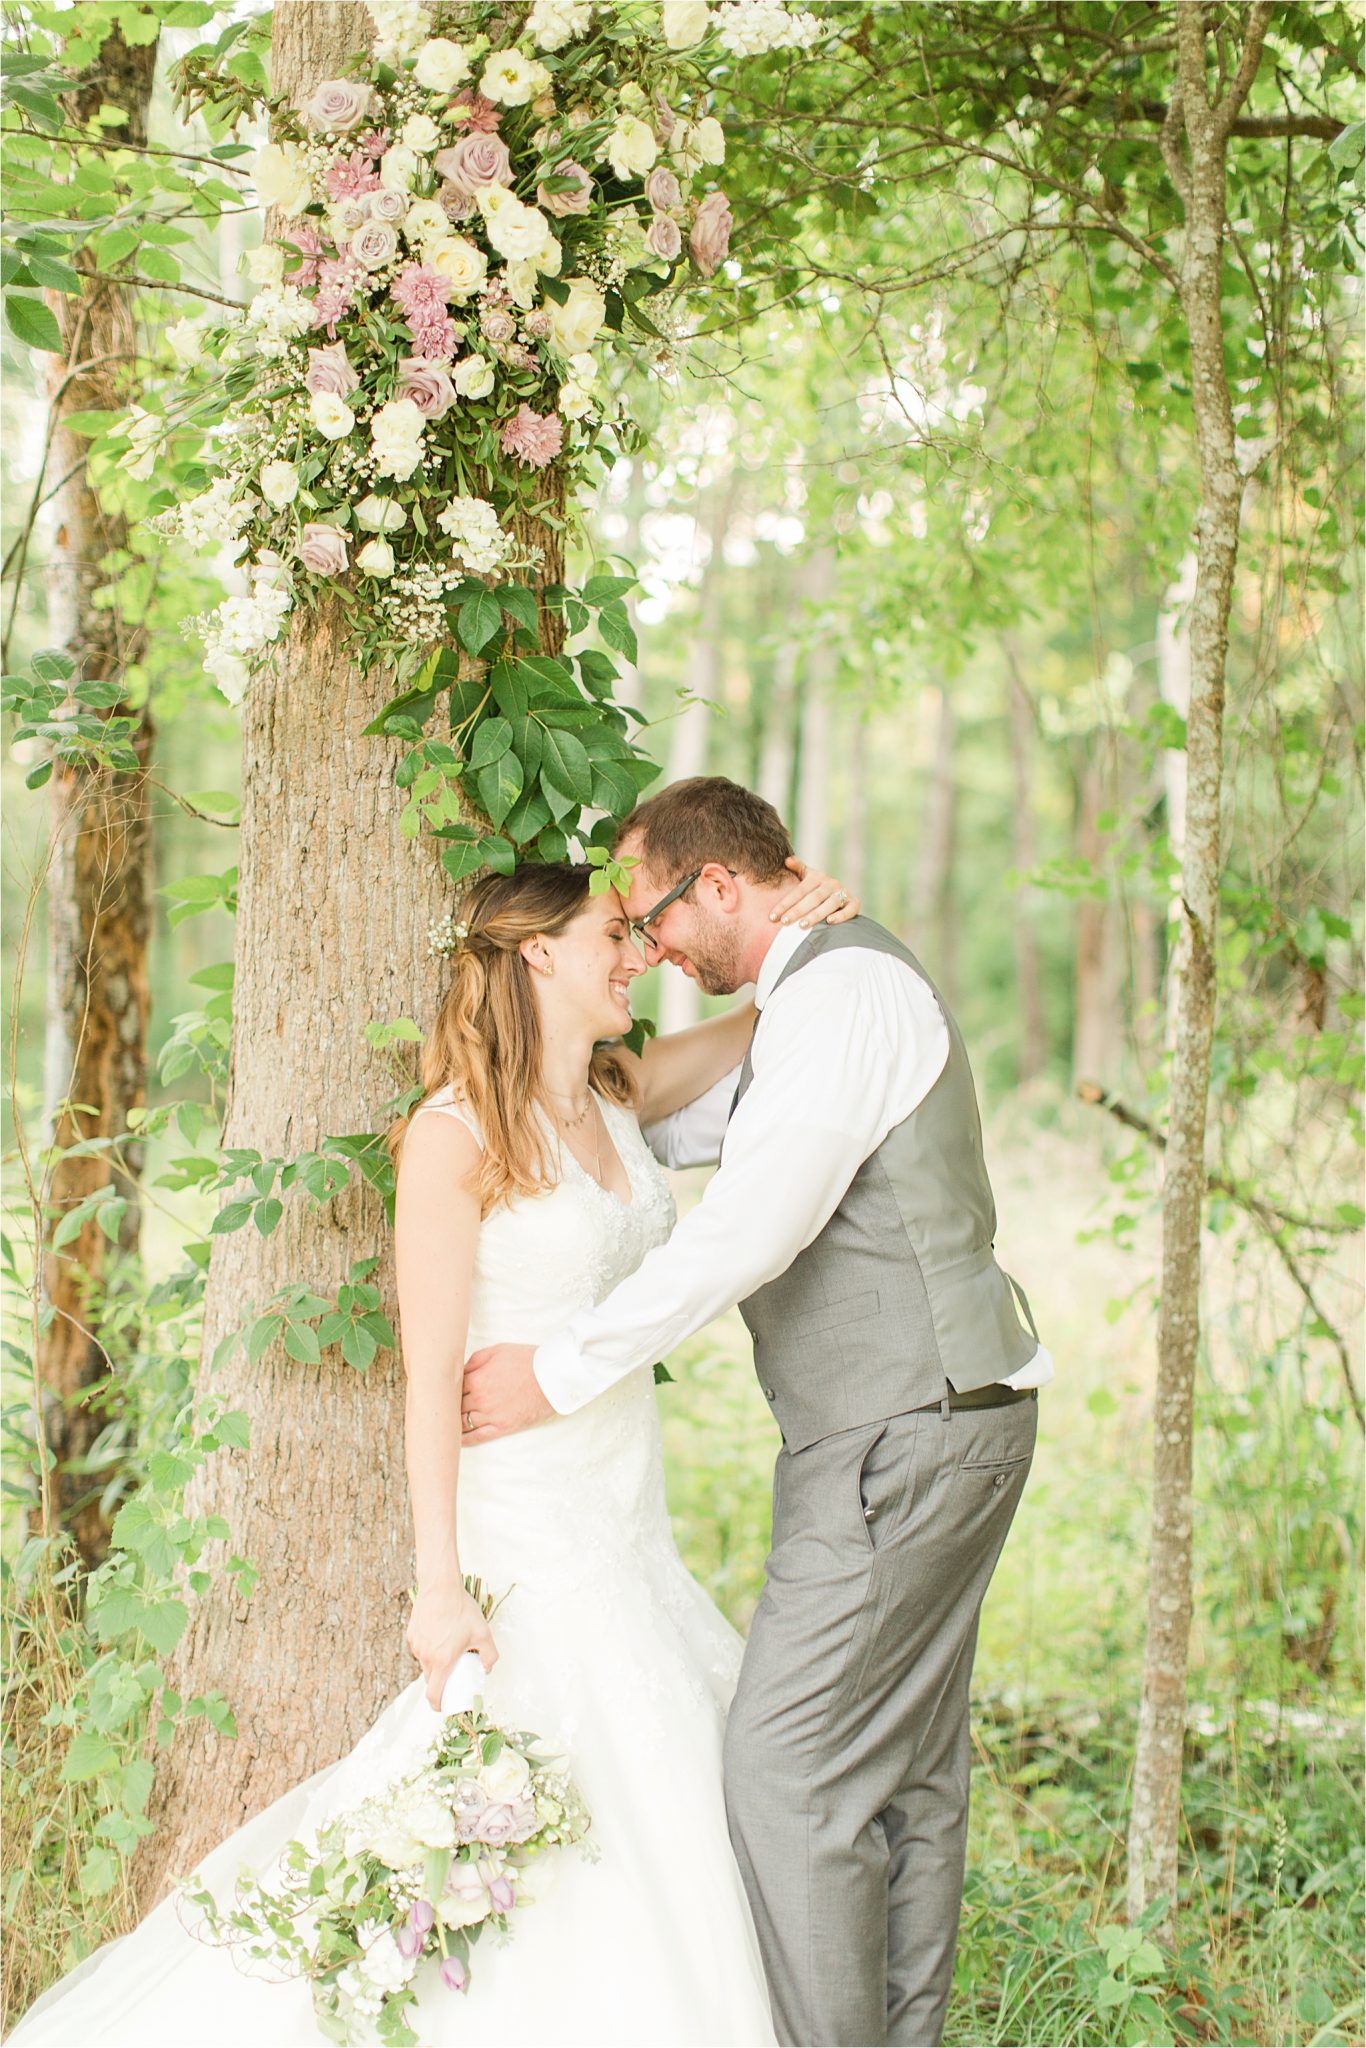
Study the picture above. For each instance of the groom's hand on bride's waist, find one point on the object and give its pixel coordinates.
(501, 1393)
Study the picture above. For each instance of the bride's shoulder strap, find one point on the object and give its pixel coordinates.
(445, 1102)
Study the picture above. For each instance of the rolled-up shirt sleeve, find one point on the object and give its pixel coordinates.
(818, 1105)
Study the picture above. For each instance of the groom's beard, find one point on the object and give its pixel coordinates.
(715, 956)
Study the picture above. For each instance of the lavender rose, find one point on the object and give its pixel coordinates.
(665, 238)
(578, 200)
(495, 1826)
(374, 244)
(329, 371)
(338, 105)
(322, 549)
(710, 237)
(474, 163)
(388, 205)
(662, 189)
(497, 325)
(428, 385)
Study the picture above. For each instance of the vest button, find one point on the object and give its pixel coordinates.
(999, 1480)
(868, 1514)
(768, 1393)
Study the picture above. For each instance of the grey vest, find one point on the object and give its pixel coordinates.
(900, 1291)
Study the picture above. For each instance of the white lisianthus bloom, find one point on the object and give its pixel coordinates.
(441, 65)
(510, 79)
(186, 338)
(279, 484)
(584, 368)
(575, 325)
(473, 378)
(573, 401)
(685, 22)
(396, 433)
(631, 98)
(142, 430)
(419, 132)
(380, 515)
(632, 147)
(548, 257)
(553, 23)
(516, 231)
(397, 168)
(521, 281)
(230, 672)
(265, 265)
(708, 139)
(426, 221)
(331, 415)
(376, 558)
(459, 259)
(280, 174)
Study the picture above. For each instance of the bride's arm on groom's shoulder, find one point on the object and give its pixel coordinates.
(677, 1067)
(436, 1226)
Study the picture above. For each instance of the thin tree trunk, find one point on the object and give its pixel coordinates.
(936, 885)
(98, 889)
(1174, 684)
(812, 835)
(1199, 175)
(1033, 1040)
(335, 906)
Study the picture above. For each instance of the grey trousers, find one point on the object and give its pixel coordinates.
(847, 1743)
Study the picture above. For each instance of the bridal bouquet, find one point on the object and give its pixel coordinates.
(411, 1876)
(459, 221)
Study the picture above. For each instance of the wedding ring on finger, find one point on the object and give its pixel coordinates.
(468, 1418)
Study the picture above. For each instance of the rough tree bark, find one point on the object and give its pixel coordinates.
(98, 886)
(1033, 1037)
(335, 907)
(1202, 123)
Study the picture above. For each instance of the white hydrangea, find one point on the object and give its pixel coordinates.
(400, 27)
(277, 316)
(216, 516)
(242, 626)
(477, 541)
(553, 23)
(748, 28)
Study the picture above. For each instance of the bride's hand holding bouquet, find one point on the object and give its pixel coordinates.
(446, 1621)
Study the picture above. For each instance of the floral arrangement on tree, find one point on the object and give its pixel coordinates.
(459, 228)
(413, 1875)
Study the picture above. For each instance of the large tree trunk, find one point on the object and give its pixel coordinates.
(335, 906)
(98, 884)
(1200, 179)
(1029, 987)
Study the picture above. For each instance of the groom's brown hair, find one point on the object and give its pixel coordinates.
(708, 818)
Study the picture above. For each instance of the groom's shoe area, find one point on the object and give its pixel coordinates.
(847, 1744)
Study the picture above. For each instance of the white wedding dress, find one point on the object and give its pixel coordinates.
(609, 1650)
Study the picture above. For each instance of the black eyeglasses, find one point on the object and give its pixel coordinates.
(641, 925)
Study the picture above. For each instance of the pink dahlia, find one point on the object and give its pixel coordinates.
(421, 292)
(304, 237)
(534, 438)
(374, 142)
(348, 176)
(436, 337)
(473, 111)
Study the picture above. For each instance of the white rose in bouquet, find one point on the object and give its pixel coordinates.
(510, 79)
(459, 259)
(576, 325)
(507, 1777)
(473, 377)
(397, 168)
(380, 515)
(331, 415)
(376, 558)
(396, 433)
(280, 174)
(685, 22)
(516, 231)
(421, 133)
(709, 140)
(279, 484)
(631, 148)
(441, 65)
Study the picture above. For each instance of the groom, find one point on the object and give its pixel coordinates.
(852, 1218)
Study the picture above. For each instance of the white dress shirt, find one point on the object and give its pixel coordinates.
(843, 1053)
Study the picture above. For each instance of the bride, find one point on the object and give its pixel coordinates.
(525, 1193)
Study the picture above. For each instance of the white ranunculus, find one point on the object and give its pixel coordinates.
(331, 415)
(516, 231)
(186, 338)
(632, 147)
(380, 515)
(279, 484)
(685, 22)
(441, 65)
(576, 324)
(266, 264)
(396, 436)
(510, 79)
(397, 168)
(708, 139)
(419, 132)
(280, 173)
(459, 259)
(376, 558)
(473, 377)
(426, 221)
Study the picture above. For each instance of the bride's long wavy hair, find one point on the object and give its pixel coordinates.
(486, 1042)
